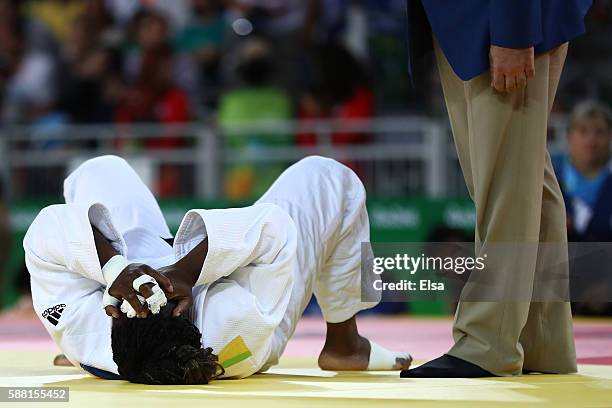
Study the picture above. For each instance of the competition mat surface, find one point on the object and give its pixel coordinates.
(26, 355)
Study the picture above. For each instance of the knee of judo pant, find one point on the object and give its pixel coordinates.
(320, 163)
(100, 164)
(328, 167)
(107, 161)
(108, 164)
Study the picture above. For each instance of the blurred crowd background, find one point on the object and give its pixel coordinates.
(95, 61)
(224, 63)
(99, 61)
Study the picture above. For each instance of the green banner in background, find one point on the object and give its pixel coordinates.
(391, 220)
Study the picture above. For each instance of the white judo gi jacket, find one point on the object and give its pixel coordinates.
(254, 283)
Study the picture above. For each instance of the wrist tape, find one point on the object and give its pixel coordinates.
(113, 268)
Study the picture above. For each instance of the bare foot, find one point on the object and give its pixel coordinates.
(353, 355)
(345, 349)
(62, 361)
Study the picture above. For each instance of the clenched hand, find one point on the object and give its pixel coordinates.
(122, 288)
(511, 68)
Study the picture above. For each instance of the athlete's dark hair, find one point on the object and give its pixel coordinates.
(162, 349)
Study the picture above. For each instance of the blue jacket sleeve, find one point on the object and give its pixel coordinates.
(516, 23)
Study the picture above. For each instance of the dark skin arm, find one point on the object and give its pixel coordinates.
(183, 275)
(104, 248)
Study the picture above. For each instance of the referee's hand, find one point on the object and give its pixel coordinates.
(511, 68)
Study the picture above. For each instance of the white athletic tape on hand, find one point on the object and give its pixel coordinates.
(113, 268)
(128, 309)
(157, 300)
(108, 300)
(141, 280)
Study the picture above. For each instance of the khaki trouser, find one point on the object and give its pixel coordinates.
(501, 144)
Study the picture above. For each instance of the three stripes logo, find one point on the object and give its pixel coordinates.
(54, 313)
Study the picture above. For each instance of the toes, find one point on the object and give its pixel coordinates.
(402, 363)
(62, 361)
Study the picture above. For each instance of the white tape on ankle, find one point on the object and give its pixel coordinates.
(382, 359)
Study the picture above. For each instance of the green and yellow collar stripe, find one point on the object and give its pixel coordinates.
(235, 352)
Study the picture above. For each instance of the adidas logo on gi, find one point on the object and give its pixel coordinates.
(54, 313)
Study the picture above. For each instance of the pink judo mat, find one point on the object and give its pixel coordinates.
(424, 338)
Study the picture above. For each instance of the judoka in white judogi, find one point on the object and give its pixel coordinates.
(264, 261)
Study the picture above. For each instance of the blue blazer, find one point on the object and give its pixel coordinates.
(466, 29)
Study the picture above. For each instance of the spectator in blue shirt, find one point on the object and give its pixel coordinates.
(586, 180)
(585, 174)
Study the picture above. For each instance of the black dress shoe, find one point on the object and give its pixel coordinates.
(446, 367)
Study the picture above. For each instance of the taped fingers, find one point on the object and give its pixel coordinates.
(155, 296)
(110, 304)
(136, 302)
(135, 292)
(155, 303)
(141, 280)
(128, 309)
(157, 300)
(162, 280)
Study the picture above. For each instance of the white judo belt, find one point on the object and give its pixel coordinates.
(112, 269)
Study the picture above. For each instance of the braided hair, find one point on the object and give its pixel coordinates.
(162, 349)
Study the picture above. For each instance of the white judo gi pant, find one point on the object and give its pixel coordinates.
(325, 199)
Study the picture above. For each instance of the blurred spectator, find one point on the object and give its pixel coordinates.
(585, 174)
(176, 11)
(123, 11)
(87, 94)
(586, 180)
(154, 97)
(99, 19)
(27, 77)
(326, 21)
(290, 27)
(341, 91)
(254, 100)
(204, 38)
(388, 57)
(88, 70)
(150, 32)
(56, 15)
(5, 238)
(37, 35)
(272, 17)
(588, 71)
